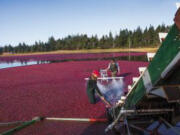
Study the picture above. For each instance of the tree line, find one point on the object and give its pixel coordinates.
(124, 39)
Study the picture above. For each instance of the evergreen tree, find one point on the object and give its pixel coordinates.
(137, 38)
(52, 43)
(1, 50)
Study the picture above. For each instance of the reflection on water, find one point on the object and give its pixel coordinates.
(128, 58)
(26, 63)
(20, 63)
(133, 58)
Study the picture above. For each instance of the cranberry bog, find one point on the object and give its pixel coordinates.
(64, 57)
(55, 90)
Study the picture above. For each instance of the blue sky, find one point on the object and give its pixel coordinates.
(33, 20)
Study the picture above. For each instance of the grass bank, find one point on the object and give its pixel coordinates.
(88, 51)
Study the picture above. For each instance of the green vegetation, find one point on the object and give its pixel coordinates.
(137, 38)
(1, 50)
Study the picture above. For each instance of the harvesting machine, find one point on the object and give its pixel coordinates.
(156, 94)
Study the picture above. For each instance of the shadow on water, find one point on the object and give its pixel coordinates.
(128, 58)
(125, 74)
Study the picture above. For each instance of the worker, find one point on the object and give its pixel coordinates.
(92, 87)
(113, 67)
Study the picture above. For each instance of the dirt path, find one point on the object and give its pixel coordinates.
(88, 51)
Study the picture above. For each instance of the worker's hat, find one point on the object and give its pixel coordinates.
(96, 73)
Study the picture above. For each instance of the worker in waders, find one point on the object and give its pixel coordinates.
(113, 67)
(92, 87)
